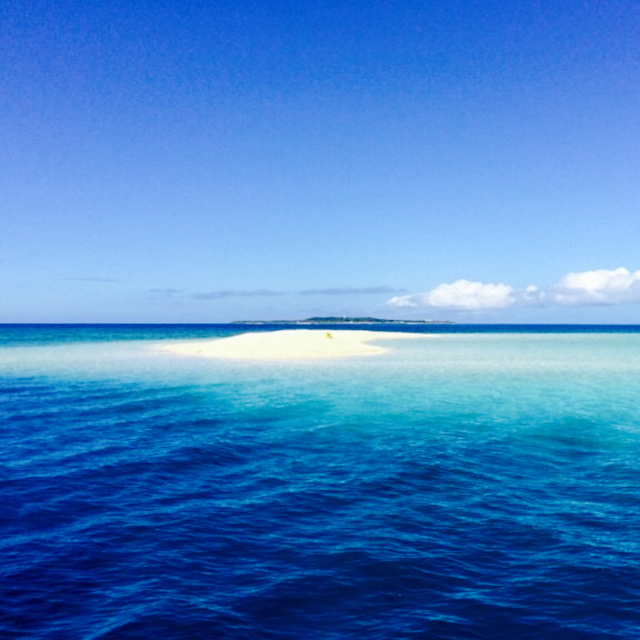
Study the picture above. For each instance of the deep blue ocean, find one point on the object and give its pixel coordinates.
(484, 483)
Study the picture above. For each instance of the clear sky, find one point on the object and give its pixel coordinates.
(198, 161)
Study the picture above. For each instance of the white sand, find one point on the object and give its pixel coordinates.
(291, 344)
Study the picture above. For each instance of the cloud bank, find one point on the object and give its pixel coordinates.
(462, 295)
(219, 295)
(165, 292)
(597, 287)
(348, 291)
(261, 293)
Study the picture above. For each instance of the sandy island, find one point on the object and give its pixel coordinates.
(291, 344)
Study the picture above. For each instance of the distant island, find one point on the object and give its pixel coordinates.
(343, 320)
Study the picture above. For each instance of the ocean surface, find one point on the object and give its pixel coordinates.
(484, 483)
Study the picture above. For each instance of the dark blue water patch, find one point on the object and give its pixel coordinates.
(199, 511)
(47, 334)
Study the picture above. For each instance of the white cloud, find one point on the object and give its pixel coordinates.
(462, 295)
(597, 287)
(601, 286)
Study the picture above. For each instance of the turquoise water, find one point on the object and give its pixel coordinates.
(482, 483)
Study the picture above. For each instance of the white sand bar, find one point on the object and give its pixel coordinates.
(291, 344)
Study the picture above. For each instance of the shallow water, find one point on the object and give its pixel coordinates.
(473, 485)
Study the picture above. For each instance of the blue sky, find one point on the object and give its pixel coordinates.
(217, 161)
